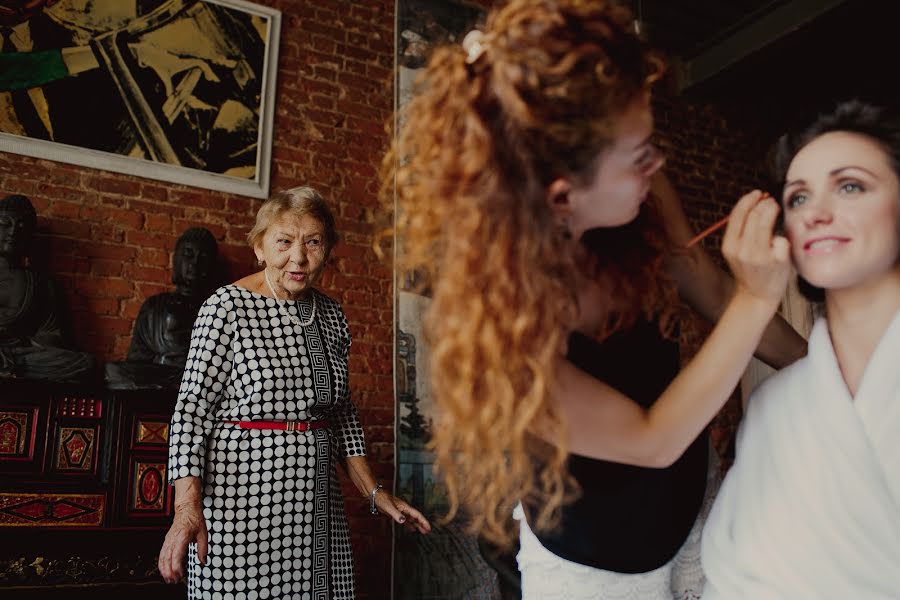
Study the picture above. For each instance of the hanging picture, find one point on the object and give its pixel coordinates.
(181, 91)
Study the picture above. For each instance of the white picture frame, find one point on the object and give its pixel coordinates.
(200, 52)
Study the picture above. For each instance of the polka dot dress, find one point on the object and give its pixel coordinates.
(273, 506)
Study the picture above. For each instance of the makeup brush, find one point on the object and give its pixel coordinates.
(714, 227)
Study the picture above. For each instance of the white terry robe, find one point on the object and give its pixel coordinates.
(811, 507)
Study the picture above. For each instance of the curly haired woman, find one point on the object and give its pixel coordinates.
(511, 150)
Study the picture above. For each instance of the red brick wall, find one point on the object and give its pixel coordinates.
(109, 237)
(711, 158)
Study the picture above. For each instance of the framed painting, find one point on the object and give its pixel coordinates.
(181, 91)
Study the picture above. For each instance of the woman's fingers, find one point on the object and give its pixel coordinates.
(781, 249)
(402, 513)
(185, 529)
(415, 520)
(760, 234)
(737, 221)
(177, 556)
(169, 563)
(162, 562)
(165, 559)
(387, 504)
(202, 539)
(758, 259)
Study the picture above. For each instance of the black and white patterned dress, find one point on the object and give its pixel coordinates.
(271, 499)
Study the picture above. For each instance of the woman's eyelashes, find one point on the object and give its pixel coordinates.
(845, 187)
(851, 186)
(794, 199)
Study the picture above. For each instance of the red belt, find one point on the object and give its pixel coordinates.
(281, 425)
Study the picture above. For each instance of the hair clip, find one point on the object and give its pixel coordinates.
(474, 45)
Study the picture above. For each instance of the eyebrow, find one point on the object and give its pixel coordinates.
(863, 169)
(835, 173)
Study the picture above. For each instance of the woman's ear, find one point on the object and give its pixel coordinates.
(558, 197)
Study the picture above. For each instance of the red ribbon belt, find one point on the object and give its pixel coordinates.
(281, 425)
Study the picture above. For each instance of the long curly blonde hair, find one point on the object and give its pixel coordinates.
(483, 136)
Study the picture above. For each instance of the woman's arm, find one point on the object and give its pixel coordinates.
(399, 510)
(602, 423)
(351, 446)
(707, 289)
(187, 526)
(202, 386)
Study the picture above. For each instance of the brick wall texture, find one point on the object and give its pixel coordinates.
(109, 238)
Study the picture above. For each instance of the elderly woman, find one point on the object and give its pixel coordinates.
(263, 415)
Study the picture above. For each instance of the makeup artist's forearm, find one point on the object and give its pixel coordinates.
(604, 424)
(780, 345)
(702, 387)
(707, 289)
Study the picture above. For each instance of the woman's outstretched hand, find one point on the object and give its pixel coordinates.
(187, 526)
(760, 260)
(401, 512)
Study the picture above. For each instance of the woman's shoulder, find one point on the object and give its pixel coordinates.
(779, 388)
(784, 383)
(327, 303)
(332, 317)
(228, 296)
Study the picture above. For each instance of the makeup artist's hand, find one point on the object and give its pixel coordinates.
(759, 259)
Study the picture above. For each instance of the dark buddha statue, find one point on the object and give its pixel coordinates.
(162, 332)
(33, 344)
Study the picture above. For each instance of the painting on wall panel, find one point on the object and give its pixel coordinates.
(181, 91)
(445, 564)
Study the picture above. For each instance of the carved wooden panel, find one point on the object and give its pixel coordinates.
(143, 496)
(78, 430)
(51, 510)
(149, 491)
(150, 430)
(77, 449)
(23, 430)
(77, 456)
(17, 433)
(75, 406)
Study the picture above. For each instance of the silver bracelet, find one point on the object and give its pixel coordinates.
(374, 491)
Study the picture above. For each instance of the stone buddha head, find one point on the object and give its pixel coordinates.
(17, 224)
(193, 266)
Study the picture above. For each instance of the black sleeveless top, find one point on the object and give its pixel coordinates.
(629, 519)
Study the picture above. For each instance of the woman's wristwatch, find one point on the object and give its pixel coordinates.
(374, 491)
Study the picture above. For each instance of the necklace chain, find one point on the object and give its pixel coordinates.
(281, 305)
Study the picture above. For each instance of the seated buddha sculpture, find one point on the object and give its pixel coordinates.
(162, 331)
(33, 339)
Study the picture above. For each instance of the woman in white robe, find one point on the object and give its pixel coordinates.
(811, 507)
